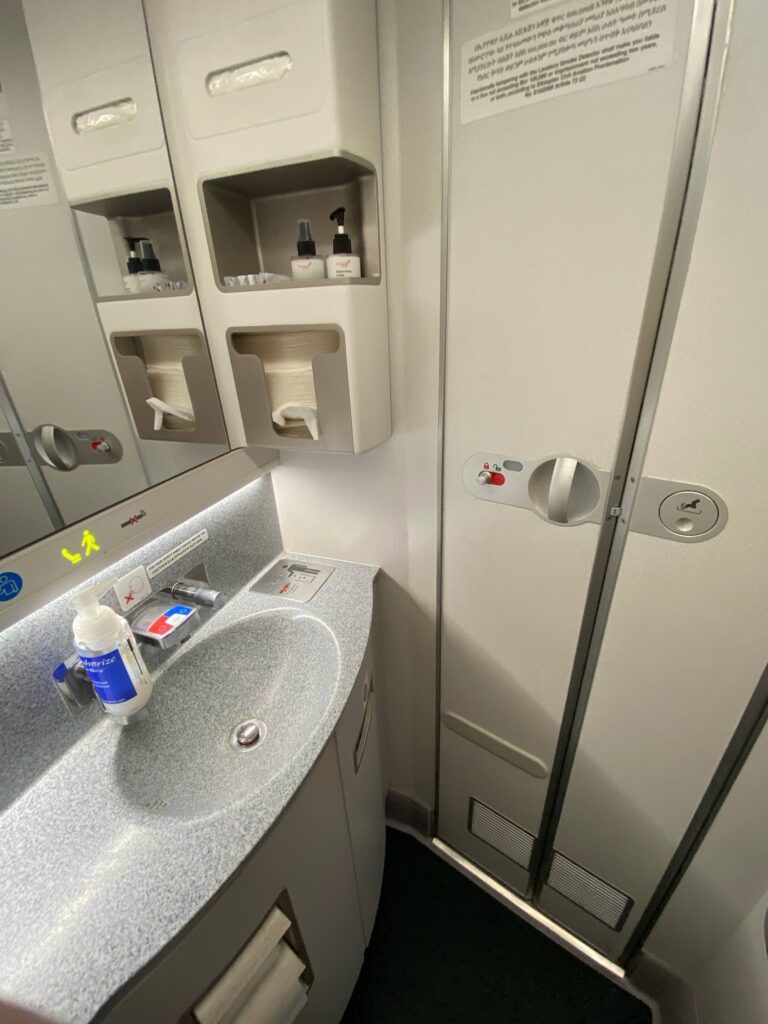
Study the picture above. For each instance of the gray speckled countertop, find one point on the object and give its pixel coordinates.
(93, 884)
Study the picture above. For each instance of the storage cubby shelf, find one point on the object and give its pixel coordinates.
(252, 216)
(249, 163)
(105, 223)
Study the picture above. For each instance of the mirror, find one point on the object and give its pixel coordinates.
(106, 383)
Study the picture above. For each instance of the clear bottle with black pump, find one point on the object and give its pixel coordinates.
(133, 266)
(307, 264)
(343, 262)
(144, 271)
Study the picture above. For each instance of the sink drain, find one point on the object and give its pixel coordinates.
(248, 735)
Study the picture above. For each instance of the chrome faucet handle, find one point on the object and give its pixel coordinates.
(73, 685)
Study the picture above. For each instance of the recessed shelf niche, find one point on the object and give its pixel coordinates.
(174, 368)
(303, 366)
(251, 219)
(104, 225)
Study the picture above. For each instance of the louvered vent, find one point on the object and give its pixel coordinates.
(589, 892)
(500, 833)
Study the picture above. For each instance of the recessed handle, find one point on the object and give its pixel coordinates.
(55, 447)
(560, 487)
(116, 112)
(564, 490)
(365, 728)
(269, 68)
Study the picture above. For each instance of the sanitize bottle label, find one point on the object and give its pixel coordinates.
(110, 677)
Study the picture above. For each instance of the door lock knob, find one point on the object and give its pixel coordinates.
(487, 476)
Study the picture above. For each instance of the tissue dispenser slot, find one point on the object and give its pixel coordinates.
(266, 984)
(295, 388)
(168, 380)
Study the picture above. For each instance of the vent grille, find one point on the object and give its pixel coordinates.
(500, 833)
(609, 905)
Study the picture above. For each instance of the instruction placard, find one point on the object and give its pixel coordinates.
(566, 48)
(176, 553)
(26, 181)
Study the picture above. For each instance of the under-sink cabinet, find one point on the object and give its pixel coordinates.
(321, 865)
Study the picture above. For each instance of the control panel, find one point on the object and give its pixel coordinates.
(568, 491)
(562, 489)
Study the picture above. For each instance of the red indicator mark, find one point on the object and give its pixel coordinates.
(160, 626)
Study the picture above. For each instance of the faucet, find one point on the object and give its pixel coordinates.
(160, 622)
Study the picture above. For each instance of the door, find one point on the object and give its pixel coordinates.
(565, 197)
(685, 640)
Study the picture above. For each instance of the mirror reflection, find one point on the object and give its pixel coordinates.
(106, 384)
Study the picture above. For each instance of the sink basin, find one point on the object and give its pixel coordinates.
(278, 667)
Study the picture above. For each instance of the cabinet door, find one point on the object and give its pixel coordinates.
(685, 641)
(358, 743)
(305, 855)
(555, 213)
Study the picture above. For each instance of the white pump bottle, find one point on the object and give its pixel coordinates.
(110, 654)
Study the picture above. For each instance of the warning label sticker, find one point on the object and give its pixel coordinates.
(26, 181)
(564, 49)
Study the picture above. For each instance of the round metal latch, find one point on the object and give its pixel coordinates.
(55, 447)
(564, 490)
(688, 513)
(248, 735)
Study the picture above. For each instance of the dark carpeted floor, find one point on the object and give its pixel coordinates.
(443, 950)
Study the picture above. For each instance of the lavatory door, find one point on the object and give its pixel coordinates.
(561, 200)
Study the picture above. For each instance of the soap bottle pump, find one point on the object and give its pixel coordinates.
(151, 273)
(343, 262)
(307, 264)
(110, 654)
(133, 265)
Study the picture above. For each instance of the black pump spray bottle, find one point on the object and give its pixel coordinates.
(343, 262)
